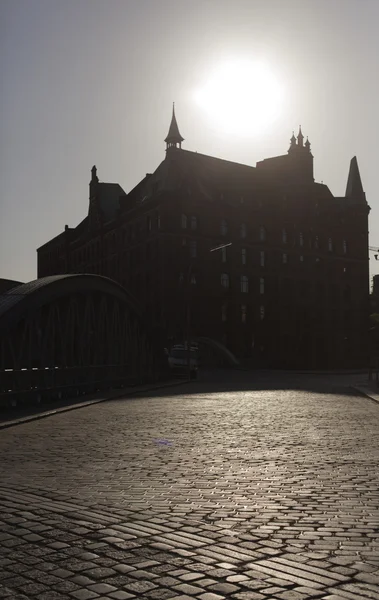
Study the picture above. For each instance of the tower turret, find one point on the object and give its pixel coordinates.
(354, 188)
(300, 137)
(173, 139)
(292, 142)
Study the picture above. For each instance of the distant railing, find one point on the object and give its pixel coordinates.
(35, 385)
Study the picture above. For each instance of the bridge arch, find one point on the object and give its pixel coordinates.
(222, 353)
(82, 331)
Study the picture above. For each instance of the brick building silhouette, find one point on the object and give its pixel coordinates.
(291, 291)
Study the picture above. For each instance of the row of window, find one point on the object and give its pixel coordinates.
(286, 288)
(224, 313)
(262, 255)
(225, 282)
(189, 222)
(185, 220)
(244, 283)
(341, 319)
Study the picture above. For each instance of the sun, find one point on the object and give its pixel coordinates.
(242, 97)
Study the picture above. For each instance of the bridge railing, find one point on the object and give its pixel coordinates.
(54, 383)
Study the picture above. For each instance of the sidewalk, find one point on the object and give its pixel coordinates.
(368, 388)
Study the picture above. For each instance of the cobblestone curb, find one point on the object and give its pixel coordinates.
(366, 391)
(118, 394)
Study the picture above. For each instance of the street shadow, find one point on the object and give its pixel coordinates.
(223, 381)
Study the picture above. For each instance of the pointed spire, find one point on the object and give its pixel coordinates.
(308, 145)
(94, 176)
(292, 143)
(174, 139)
(300, 137)
(354, 188)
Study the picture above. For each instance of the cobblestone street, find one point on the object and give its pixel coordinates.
(240, 488)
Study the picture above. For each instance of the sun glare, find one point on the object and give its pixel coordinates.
(241, 97)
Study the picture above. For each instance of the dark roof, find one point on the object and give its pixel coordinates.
(53, 241)
(210, 177)
(108, 195)
(199, 173)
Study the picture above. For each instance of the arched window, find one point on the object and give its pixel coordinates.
(262, 234)
(301, 238)
(243, 230)
(330, 245)
(344, 246)
(223, 227)
(261, 285)
(243, 256)
(184, 221)
(284, 236)
(262, 312)
(193, 222)
(244, 284)
(193, 249)
(225, 280)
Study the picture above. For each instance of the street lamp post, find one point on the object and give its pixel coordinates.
(188, 315)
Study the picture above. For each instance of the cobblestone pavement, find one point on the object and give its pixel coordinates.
(213, 491)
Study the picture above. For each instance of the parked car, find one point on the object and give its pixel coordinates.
(178, 360)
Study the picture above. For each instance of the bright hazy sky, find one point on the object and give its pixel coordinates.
(88, 82)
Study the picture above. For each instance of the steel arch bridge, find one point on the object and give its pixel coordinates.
(64, 335)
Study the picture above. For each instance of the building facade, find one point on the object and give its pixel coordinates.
(289, 285)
